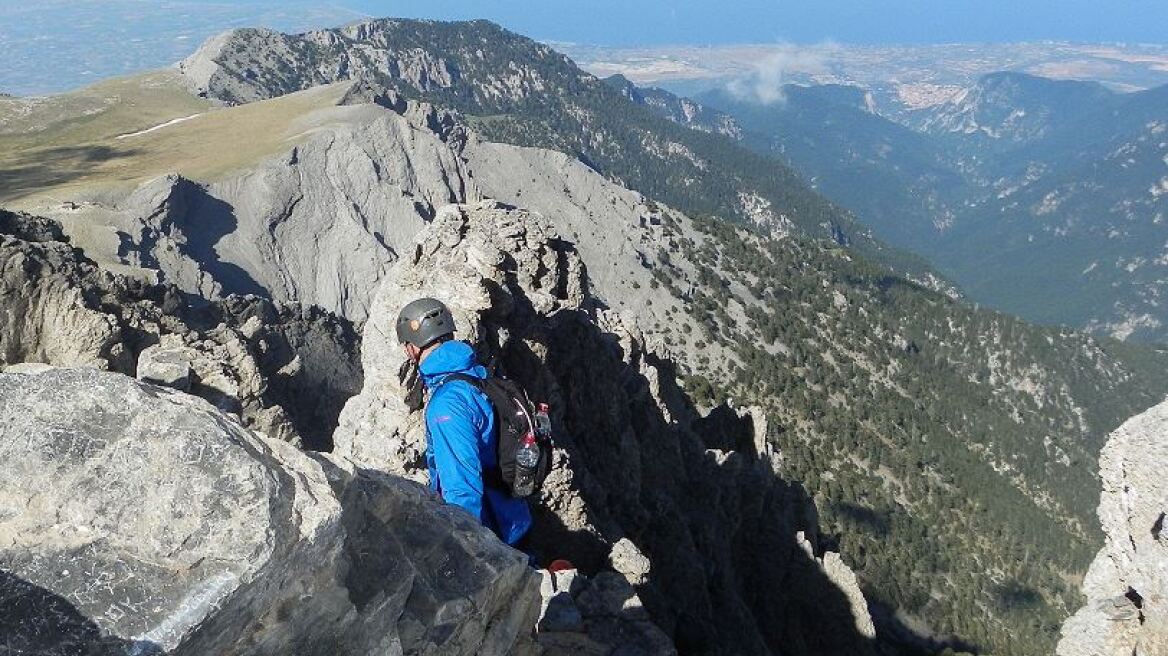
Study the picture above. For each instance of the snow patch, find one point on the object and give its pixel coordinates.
(173, 121)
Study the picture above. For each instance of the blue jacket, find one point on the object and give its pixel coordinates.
(460, 443)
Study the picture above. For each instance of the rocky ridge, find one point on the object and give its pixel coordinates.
(680, 110)
(285, 370)
(1126, 613)
(687, 508)
(317, 224)
(523, 293)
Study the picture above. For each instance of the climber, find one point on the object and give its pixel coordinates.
(460, 422)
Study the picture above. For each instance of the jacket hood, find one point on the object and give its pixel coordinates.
(451, 357)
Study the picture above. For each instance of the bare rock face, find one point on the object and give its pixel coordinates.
(285, 370)
(594, 617)
(1127, 585)
(318, 225)
(685, 512)
(139, 520)
(45, 315)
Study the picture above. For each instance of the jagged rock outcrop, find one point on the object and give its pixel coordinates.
(247, 65)
(687, 510)
(1127, 585)
(680, 110)
(45, 314)
(470, 272)
(245, 546)
(285, 370)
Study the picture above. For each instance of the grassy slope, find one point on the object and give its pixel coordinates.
(64, 144)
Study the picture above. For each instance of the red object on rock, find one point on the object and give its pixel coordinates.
(560, 565)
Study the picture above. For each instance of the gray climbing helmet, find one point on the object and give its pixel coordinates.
(423, 321)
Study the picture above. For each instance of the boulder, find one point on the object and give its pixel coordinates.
(627, 559)
(599, 615)
(169, 367)
(1126, 613)
(137, 519)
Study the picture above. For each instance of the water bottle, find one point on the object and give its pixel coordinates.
(543, 423)
(526, 461)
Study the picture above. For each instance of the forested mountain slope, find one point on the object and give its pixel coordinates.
(1043, 198)
(950, 448)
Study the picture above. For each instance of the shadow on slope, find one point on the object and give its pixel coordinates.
(34, 620)
(32, 170)
(197, 222)
(729, 574)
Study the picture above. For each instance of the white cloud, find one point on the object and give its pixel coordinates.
(765, 83)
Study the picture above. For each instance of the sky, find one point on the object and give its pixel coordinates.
(51, 45)
(659, 22)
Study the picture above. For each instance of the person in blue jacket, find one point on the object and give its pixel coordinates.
(460, 422)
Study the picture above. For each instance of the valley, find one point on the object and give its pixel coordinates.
(1036, 197)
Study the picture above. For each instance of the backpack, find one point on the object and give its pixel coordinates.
(514, 419)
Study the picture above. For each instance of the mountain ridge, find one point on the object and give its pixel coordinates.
(698, 172)
(1014, 107)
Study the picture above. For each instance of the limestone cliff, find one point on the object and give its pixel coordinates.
(1127, 586)
(688, 509)
(322, 222)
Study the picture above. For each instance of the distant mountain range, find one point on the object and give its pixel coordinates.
(1013, 108)
(1044, 198)
(901, 77)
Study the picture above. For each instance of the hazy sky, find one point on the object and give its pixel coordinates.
(48, 45)
(617, 22)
